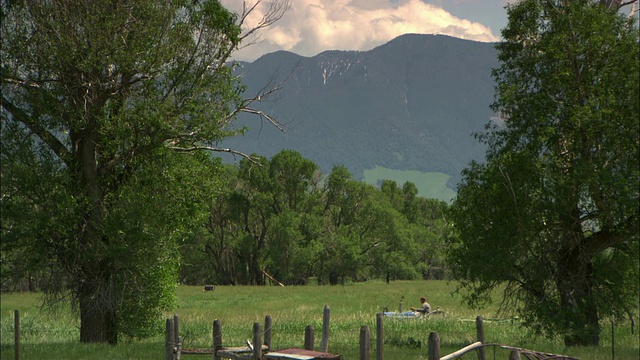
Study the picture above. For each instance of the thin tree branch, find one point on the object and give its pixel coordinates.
(375, 244)
(265, 116)
(215, 149)
(276, 11)
(267, 91)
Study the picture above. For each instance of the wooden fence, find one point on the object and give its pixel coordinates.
(261, 346)
(255, 352)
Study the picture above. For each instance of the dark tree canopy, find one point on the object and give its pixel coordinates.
(554, 210)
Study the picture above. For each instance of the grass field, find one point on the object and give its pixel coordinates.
(55, 336)
(431, 185)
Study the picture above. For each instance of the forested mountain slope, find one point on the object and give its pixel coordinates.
(411, 104)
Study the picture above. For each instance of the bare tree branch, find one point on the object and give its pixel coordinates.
(252, 159)
(263, 94)
(276, 11)
(633, 8)
(265, 116)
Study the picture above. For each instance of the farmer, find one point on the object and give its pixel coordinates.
(424, 309)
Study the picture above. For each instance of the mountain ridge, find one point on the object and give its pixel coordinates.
(410, 104)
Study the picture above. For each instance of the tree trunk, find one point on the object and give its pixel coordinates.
(255, 274)
(97, 319)
(333, 278)
(95, 294)
(582, 325)
(577, 304)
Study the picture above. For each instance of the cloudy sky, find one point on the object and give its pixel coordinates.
(312, 26)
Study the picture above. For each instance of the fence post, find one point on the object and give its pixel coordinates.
(257, 341)
(379, 337)
(434, 346)
(178, 339)
(176, 332)
(168, 340)
(179, 348)
(16, 330)
(309, 337)
(217, 338)
(515, 355)
(267, 331)
(480, 333)
(324, 343)
(365, 335)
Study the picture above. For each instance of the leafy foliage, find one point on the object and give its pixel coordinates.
(557, 198)
(102, 105)
(283, 218)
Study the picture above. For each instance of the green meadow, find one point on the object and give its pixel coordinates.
(431, 185)
(47, 335)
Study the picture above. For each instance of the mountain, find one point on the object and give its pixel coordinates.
(410, 104)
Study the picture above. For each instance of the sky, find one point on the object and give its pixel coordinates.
(310, 27)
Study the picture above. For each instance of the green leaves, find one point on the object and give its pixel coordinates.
(98, 97)
(543, 208)
(285, 218)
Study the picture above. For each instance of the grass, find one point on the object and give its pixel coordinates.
(431, 185)
(292, 308)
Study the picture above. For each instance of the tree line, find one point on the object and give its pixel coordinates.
(282, 217)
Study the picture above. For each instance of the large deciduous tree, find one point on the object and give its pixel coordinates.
(104, 106)
(554, 210)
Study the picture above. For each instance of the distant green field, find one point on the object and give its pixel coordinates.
(431, 185)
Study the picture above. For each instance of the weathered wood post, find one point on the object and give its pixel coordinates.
(515, 355)
(178, 348)
(217, 338)
(168, 340)
(434, 346)
(309, 337)
(267, 331)
(177, 340)
(379, 337)
(324, 343)
(16, 330)
(257, 341)
(480, 333)
(176, 328)
(365, 336)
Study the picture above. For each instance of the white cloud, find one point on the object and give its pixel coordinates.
(312, 26)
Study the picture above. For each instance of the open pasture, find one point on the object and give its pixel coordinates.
(431, 185)
(55, 336)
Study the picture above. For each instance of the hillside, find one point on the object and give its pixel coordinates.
(411, 104)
